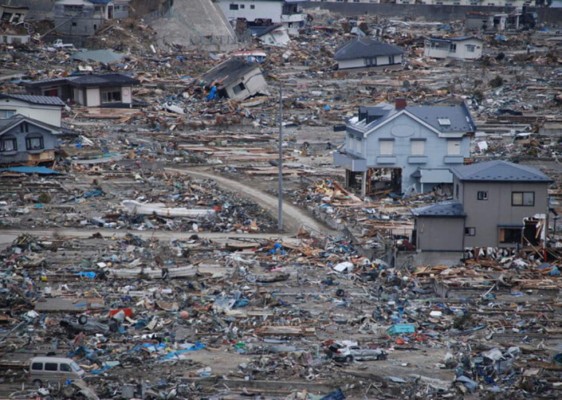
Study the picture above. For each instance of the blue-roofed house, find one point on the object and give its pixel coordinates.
(365, 52)
(462, 48)
(41, 108)
(405, 148)
(495, 204)
(24, 140)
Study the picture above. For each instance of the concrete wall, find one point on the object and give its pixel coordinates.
(429, 12)
(486, 215)
(440, 234)
(262, 9)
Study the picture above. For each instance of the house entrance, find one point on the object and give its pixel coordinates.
(381, 181)
(532, 231)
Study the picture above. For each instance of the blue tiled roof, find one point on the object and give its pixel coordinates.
(31, 170)
(499, 171)
(450, 209)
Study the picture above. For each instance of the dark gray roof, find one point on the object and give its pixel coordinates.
(8, 123)
(27, 98)
(446, 209)
(229, 71)
(499, 171)
(453, 39)
(365, 47)
(454, 118)
(458, 116)
(88, 80)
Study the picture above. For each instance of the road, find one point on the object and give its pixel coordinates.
(293, 218)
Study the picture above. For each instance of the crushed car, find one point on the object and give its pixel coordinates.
(348, 351)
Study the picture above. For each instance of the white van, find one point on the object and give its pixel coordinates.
(43, 370)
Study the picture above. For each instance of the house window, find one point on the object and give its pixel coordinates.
(238, 88)
(470, 231)
(453, 147)
(234, 6)
(34, 141)
(482, 195)
(510, 235)
(386, 147)
(6, 113)
(110, 95)
(523, 199)
(74, 24)
(457, 191)
(242, 6)
(470, 48)
(8, 143)
(24, 128)
(390, 60)
(417, 147)
(252, 7)
(453, 48)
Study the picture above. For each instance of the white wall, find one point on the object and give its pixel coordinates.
(93, 97)
(262, 9)
(47, 114)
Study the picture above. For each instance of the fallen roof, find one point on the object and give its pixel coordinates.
(101, 56)
(32, 99)
(365, 47)
(229, 71)
(499, 171)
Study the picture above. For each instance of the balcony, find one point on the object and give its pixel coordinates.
(350, 162)
(453, 159)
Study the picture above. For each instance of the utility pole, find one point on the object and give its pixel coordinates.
(280, 189)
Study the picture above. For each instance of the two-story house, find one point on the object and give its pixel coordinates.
(286, 12)
(82, 17)
(410, 148)
(495, 204)
(41, 108)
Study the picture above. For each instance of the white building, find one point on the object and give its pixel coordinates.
(461, 48)
(41, 108)
(286, 12)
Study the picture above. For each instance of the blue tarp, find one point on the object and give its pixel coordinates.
(31, 170)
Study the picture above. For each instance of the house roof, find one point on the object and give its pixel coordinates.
(8, 123)
(260, 30)
(229, 71)
(446, 209)
(31, 99)
(104, 56)
(499, 171)
(453, 39)
(444, 119)
(365, 47)
(102, 80)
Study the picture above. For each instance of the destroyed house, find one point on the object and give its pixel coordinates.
(365, 52)
(105, 90)
(404, 148)
(236, 78)
(495, 204)
(24, 140)
(41, 108)
(82, 17)
(461, 48)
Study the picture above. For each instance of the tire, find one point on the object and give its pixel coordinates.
(349, 358)
(37, 383)
(82, 320)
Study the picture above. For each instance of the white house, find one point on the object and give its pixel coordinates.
(462, 48)
(41, 108)
(272, 35)
(286, 12)
(237, 79)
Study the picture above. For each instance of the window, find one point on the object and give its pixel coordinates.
(37, 366)
(238, 88)
(34, 141)
(523, 199)
(252, 6)
(74, 24)
(386, 147)
(8, 143)
(242, 6)
(110, 95)
(444, 121)
(470, 231)
(417, 147)
(6, 113)
(390, 60)
(470, 48)
(24, 128)
(457, 191)
(510, 235)
(50, 366)
(482, 195)
(453, 147)
(453, 48)
(65, 367)
(234, 6)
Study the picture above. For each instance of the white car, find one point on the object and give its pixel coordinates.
(348, 351)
